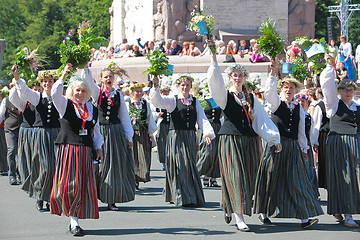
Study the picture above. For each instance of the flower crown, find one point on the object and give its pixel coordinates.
(347, 83)
(230, 69)
(137, 85)
(47, 75)
(32, 83)
(304, 96)
(184, 78)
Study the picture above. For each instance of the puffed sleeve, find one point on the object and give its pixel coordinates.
(125, 119)
(60, 101)
(16, 100)
(217, 85)
(150, 121)
(166, 102)
(2, 110)
(94, 89)
(97, 137)
(26, 93)
(271, 95)
(203, 122)
(303, 141)
(263, 125)
(315, 128)
(328, 86)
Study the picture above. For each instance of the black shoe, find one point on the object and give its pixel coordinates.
(47, 206)
(12, 180)
(213, 183)
(39, 204)
(310, 223)
(189, 205)
(137, 186)
(265, 221)
(206, 182)
(227, 218)
(77, 231)
(112, 207)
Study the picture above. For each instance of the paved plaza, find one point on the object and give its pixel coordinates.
(149, 217)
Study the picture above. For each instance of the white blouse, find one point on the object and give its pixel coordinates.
(15, 99)
(169, 103)
(25, 93)
(149, 118)
(261, 123)
(60, 103)
(123, 111)
(315, 127)
(2, 110)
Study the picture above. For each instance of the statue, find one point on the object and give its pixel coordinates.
(159, 23)
(301, 19)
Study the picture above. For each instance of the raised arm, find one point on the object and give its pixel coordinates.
(94, 89)
(328, 86)
(216, 84)
(271, 95)
(24, 91)
(166, 102)
(60, 101)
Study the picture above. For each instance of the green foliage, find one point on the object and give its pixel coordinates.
(135, 117)
(251, 85)
(77, 55)
(301, 71)
(159, 64)
(270, 41)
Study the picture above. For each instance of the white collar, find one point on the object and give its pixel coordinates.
(180, 96)
(233, 90)
(283, 98)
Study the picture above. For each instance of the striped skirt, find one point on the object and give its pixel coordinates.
(3, 149)
(208, 158)
(43, 162)
(74, 188)
(322, 160)
(312, 171)
(142, 155)
(161, 140)
(25, 149)
(183, 185)
(117, 171)
(239, 158)
(283, 187)
(343, 173)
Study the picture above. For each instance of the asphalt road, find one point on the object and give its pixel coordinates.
(150, 217)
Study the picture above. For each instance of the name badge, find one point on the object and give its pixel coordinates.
(83, 132)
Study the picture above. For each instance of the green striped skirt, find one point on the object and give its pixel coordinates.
(343, 173)
(322, 160)
(3, 149)
(142, 155)
(24, 154)
(74, 189)
(208, 158)
(312, 171)
(283, 187)
(43, 163)
(183, 185)
(116, 183)
(161, 140)
(239, 158)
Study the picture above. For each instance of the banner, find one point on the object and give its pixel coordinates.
(314, 49)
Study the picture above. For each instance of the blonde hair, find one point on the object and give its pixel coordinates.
(74, 82)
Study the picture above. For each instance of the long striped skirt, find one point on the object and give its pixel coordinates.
(343, 173)
(3, 149)
(117, 171)
(43, 162)
(239, 158)
(161, 140)
(283, 187)
(183, 185)
(142, 155)
(208, 158)
(25, 149)
(74, 188)
(312, 171)
(322, 160)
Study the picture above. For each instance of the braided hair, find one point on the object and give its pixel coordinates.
(248, 100)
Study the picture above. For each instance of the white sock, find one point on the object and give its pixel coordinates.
(263, 216)
(240, 221)
(304, 220)
(228, 214)
(74, 221)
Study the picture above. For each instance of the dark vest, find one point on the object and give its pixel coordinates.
(109, 114)
(46, 115)
(143, 115)
(287, 120)
(213, 114)
(183, 117)
(345, 121)
(325, 121)
(235, 119)
(13, 118)
(165, 117)
(307, 125)
(71, 125)
(28, 116)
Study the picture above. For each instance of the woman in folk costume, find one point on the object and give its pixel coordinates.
(74, 189)
(183, 185)
(25, 142)
(240, 146)
(3, 149)
(283, 187)
(144, 127)
(342, 149)
(116, 183)
(47, 127)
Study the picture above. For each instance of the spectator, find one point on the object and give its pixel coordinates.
(186, 49)
(221, 49)
(147, 49)
(342, 72)
(160, 47)
(110, 53)
(231, 48)
(243, 48)
(175, 48)
(194, 51)
(70, 36)
(167, 48)
(126, 52)
(256, 56)
(345, 53)
(333, 52)
(292, 51)
(357, 59)
(136, 51)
